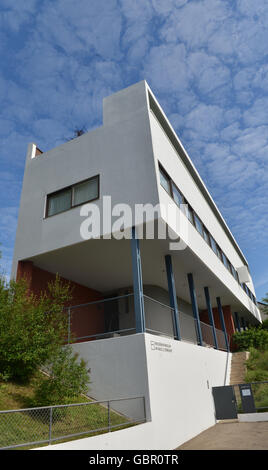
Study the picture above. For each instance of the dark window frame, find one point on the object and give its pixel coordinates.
(166, 175)
(173, 185)
(72, 187)
(206, 231)
(197, 218)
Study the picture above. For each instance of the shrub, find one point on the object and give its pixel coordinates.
(251, 338)
(31, 328)
(68, 378)
(265, 324)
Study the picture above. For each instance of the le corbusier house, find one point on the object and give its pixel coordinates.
(152, 316)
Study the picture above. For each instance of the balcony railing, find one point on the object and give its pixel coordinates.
(115, 316)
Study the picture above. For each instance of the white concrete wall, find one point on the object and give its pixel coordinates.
(179, 382)
(118, 369)
(253, 417)
(120, 152)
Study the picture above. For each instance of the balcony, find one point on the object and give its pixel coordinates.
(115, 317)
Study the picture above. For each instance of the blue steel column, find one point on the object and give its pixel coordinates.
(243, 323)
(211, 318)
(195, 308)
(222, 322)
(173, 296)
(137, 283)
(237, 322)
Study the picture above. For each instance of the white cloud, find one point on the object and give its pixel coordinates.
(165, 68)
(167, 6)
(195, 22)
(257, 115)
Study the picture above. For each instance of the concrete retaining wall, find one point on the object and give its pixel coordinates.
(175, 377)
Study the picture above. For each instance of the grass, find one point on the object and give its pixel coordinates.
(33, 425)
(257, 371)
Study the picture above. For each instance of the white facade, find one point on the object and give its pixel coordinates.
(126, 154)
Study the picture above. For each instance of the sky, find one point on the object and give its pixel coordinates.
(206, 62)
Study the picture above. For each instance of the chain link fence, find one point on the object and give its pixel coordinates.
(252, 395)
(31, 426)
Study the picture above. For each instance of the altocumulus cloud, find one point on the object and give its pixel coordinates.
(206, 61)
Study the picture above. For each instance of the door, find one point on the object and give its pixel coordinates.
(225, 402)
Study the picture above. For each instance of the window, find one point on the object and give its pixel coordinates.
(59, 202)
(165, 181)
(72, 196)
(177, 196)
(226, 262)
(198, 224)
(190, 213)
(213, 244)
(219, 253)
(206, 235)
(233, 271)
(86, 191)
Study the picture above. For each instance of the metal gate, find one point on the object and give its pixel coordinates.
(225, 402)
(230, 400)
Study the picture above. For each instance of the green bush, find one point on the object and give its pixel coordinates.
(251, 338)
(67, 380)
(31, 328)
(265, 324)
(257, 366)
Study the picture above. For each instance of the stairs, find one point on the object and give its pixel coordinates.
(238, 367)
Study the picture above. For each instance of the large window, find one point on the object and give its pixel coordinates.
(72, 196)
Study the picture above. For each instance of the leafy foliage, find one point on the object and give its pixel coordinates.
(251, 338)
(265, 306)
(68, 378)
(31, 329)
(265, 324)
(257, 370)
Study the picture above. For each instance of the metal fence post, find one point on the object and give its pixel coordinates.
(144, 407)
(50, 423)
(109, 417)
(69, 325)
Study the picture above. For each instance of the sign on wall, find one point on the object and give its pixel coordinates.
(159, 346)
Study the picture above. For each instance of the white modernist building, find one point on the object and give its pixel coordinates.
(152, 320)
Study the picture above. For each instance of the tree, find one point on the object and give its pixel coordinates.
(254, 337)
(32, 328)
(265, 306)
(67, 379)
